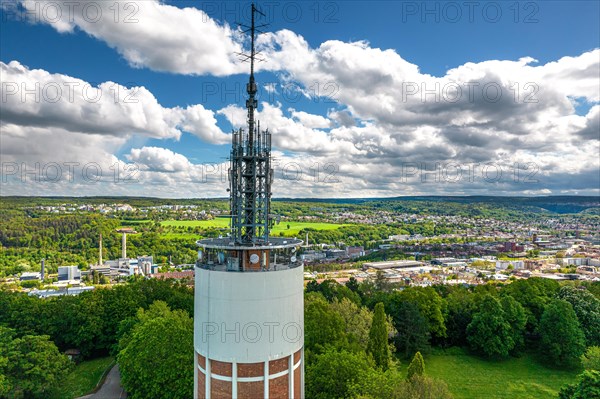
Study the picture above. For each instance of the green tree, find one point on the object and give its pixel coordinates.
(489, 333)
(6, 338)
(353, 284)
(515, 316)
(586, 387)
(377, 384)
(591, 358)
(323, 326)
(332, 290)
(562, 340)
(357, 319)
(378, 338)
(381, 282)
(431, 305)
(422, 387)
(460, 310)
(30, 366)
(416, 366)
(412, 328)
(587, 309)
(333, 374)
(534, 294)
(151, 365)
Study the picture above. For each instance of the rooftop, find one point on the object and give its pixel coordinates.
(393, 264)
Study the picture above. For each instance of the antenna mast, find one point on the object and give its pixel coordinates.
(250, 173)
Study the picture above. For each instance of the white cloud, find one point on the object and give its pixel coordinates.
(38, 98)
(310, 120)
(158, 159)
(34, 97)
(200, 121)
(57, 130)
(388, 114)
(147, 33)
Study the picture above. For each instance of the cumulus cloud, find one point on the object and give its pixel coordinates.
(591, 125)
(158, 159)
(496, 112)
(35, 97)
(63, 132)
(310, 120)
(388, 126)
(146, 33)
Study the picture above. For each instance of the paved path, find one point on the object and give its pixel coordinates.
(111, 389)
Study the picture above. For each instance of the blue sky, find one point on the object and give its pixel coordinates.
(420, 40)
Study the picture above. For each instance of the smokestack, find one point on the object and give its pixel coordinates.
(100, 251)
(124, 249)
(125, 231)
(43, 268)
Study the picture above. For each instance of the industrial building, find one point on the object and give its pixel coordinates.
(30, 276)
(69, 274)
(393, 264)
(124, 266)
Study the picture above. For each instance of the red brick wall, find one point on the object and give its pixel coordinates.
(251, 390)
(220, 368)
(201, 386)
(251, 369)
(298, 375)
(276, 366)
(298, 382)
(297, 356)
(220, 389)
(278, 388)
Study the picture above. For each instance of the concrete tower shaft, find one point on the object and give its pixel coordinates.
(249, 325)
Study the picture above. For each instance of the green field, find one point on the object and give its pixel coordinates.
(294, 229)
(470, 377)
(82, 379)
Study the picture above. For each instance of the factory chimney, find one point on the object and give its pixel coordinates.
(125, 231)
(124, 246)
(100, 251)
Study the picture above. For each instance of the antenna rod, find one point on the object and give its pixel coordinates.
(251, 103)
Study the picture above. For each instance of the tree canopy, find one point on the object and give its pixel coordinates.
(562, 339)
(29, 365)
(151, 365)
(490, 333)
(378, 339)
(587, 309)
(416, 366)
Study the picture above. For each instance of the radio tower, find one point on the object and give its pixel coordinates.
(249, 291)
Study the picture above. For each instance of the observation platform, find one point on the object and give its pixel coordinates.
(225, 255)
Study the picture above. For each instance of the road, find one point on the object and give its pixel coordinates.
(111, 389)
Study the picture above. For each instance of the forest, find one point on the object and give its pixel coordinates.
(359, 338)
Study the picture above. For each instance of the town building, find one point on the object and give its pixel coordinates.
(393, 264)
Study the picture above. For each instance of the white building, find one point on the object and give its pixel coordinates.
(29, 276)
(70, 274)
(504, 264)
